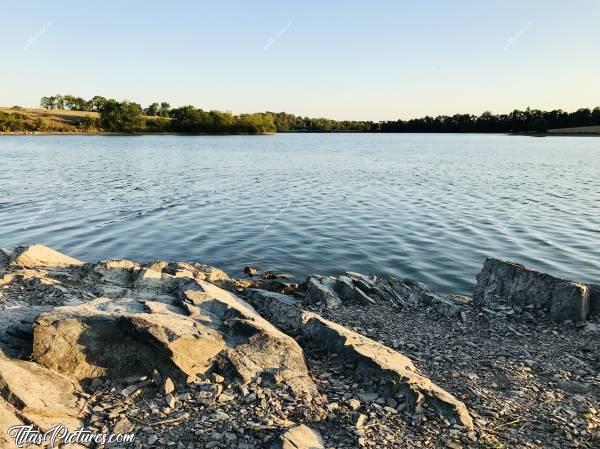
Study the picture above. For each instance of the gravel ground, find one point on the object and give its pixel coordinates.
(528, 382)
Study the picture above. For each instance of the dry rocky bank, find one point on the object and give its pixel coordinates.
(184, 357)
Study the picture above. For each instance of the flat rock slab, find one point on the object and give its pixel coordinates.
(8, 418)
(39, 256)
(39, 395)
(375, 361)
(521, 285)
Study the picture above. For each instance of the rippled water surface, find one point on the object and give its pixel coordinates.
(430, 207)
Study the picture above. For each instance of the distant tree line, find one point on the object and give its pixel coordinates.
(127, 116)
(189, 119)
(288, 122)
(529, 120)
(72, 103)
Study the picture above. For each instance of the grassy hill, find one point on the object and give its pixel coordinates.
(17, 119)
(55, 114)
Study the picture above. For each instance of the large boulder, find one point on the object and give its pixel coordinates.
(181, 326)
(501, 280)
(378, 364)
(105, 338)
(40, 256)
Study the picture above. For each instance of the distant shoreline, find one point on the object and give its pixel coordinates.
(72, 133)
(69, 122)
(101, 116)
(123, 134)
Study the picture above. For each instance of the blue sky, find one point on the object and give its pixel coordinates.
(340, 59)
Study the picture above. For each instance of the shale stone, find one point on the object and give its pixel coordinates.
(321, 289)
(377, 363)
(520, 285)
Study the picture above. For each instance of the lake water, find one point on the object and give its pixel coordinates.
(425, 206)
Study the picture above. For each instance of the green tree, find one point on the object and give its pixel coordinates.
(88, 123)
(165, 109)
(121, 116)
(47, 102)
(255, 124)
(152, 110)
(96, 103)
(540, 125)
(596, 116)
(80, 104)
(69, 101)
(59, 102)
(188, 119)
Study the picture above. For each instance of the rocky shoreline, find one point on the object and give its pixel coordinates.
(183, 356)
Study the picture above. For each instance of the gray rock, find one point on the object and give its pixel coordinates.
(368, 397)
(401, 293)
(5, 257)
(16, 329)
(321, 289)
(520, 285)
(188, 327)
(377, 363)
(119, 272)
(347, 291)
(595, 300)
(365, 283)
(417, 293)
(170, 400)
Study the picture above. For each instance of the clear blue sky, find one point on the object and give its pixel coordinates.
(339, 59)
